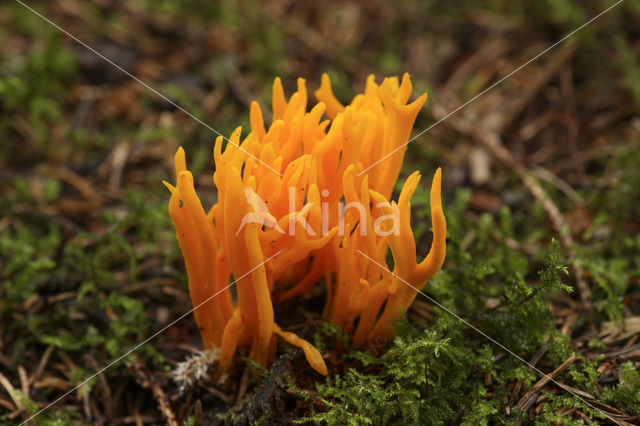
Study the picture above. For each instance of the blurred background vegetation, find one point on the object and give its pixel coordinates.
(541, 185)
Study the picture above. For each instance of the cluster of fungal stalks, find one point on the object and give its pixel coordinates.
(297, 205)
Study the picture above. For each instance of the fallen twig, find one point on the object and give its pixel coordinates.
(530, 397)
(146, 379)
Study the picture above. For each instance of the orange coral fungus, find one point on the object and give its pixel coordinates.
(293, 209)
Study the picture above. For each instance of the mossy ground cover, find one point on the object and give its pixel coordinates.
(89, 265)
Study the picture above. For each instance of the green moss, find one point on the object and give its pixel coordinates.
(434, 374)
(34, 86)
(628, 390)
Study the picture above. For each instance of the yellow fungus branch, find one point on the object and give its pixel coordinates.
(299, 217)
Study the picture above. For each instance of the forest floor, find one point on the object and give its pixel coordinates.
(541, 190)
